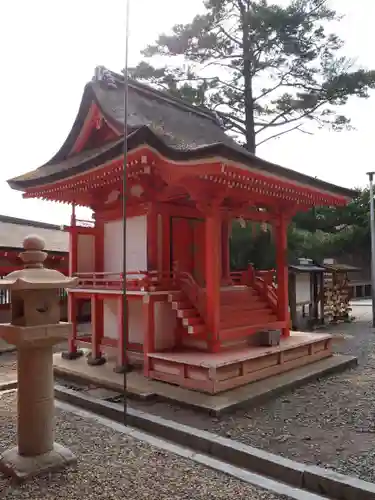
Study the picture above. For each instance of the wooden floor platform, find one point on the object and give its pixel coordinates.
(208, 373)
(215, 404)
(214, 373)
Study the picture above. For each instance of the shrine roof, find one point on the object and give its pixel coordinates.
(175, 129)
(306, 268)
(14, 230)
(340, 267)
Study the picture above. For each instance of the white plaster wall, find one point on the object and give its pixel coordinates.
(165, 324)
(136, 322)
(85, 253)
(303, 288)
(113, 246)
(136, 245)
(111, 320)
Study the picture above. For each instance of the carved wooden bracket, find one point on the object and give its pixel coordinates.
(205, 201)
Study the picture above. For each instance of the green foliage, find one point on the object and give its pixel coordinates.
(265, 69)
(336, 220)
(317, 234)
(246, 248)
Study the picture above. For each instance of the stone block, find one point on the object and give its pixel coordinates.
(334, 485)
(21, 468)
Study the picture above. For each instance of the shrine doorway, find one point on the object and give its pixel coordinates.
(188, 247)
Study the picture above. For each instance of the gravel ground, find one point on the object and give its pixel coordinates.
(113, 465)
(330, 422)
(8, 367)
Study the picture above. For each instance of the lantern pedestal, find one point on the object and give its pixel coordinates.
(35, 328)
(36, 453)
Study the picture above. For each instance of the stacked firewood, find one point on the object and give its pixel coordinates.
(336, 299)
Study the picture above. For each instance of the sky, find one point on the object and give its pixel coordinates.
(49, 51)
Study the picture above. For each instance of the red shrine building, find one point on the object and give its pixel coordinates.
(191, 321)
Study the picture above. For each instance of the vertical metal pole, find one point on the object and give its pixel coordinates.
(124, 188)
(372, 230)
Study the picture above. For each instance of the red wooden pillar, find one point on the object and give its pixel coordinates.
(148, 312)
(99, 268)
(96, 358)
(72, 352)
(225, 252)
(73, 244)
(213, 249)
(282, 272)
(122, 335)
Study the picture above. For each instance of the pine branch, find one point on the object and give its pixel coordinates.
(274, 136)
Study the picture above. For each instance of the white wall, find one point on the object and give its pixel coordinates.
(85, 253)
(165, 322)
(111, 320)
(136, 245)
(303, 293)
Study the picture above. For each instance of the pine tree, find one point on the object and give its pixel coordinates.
(265, 69)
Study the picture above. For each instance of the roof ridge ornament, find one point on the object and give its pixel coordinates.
(105, 77)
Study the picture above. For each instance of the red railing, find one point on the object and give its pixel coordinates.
(264, 284)
(135, 281)
(262, 281)
(245, 277)
(193, 291)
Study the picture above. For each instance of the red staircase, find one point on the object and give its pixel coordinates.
(244, 310)
(191, 319)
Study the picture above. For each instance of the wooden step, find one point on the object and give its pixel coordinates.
(193, 329)
(263, 314)
(175, 296)
(243, 299)
(241, 331)
(187, 313)
(248, 306)
(195, 320)
(180, 305)
(239, 322)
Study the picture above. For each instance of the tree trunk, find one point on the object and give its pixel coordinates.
(248, 82)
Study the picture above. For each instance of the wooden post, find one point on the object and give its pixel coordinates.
(148, 313)
(213, 277)
(225, 251)
(293, 299)
(95, 357)
(123, 336)
(282, 273)
(72, 352)
(322, 297)
(73, 244)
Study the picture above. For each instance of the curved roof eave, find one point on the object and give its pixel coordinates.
(145, 136)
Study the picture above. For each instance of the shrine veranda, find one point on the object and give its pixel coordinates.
(191, 321)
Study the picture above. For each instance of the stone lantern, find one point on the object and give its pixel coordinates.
(34, 328)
